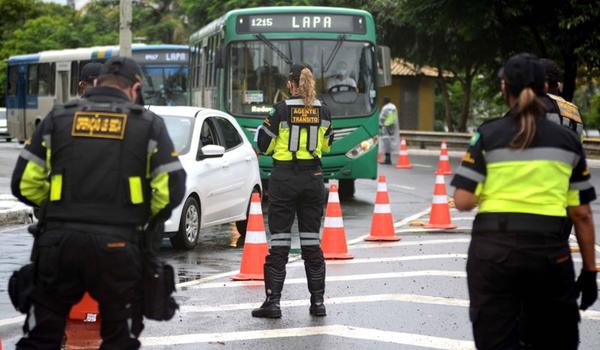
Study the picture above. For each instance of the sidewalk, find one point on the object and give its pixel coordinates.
(13, 211)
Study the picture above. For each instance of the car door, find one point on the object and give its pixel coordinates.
(237, 162)
(211, 177)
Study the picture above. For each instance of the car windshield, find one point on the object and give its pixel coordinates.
(165, 86)
(343, 71)
(180, 130)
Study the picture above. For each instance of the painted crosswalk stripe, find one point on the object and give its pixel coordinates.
(360, 277)
(412, 243)
(406, 298)
(332, 330)
(388, 259)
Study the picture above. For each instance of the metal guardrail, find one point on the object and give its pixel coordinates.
(460, 140)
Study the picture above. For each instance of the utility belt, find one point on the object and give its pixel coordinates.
(298, 163)
(130, 233)
(530, 224)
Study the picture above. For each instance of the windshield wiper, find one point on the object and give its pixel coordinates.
(279, 53)
(336, 48)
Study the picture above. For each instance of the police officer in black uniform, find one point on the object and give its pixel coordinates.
(527, 174)
(558, 109)
(88, 76)
(295, 133)
(101, 168)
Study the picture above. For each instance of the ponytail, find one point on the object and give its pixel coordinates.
(529, 107)
(306, 87)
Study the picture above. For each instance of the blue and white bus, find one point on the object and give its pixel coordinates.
(37, 81)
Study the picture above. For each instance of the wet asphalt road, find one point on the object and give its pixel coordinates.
(406, 295)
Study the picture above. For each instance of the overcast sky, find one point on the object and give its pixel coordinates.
(78, 3)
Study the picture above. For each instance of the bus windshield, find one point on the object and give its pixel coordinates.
(165, 86)
(344, 72)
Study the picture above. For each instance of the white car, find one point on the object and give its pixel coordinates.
(3, 127)
(222, 171)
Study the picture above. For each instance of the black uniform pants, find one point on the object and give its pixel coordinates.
(104, 261)
(511, 273)
(296, 190)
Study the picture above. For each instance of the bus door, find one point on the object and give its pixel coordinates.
(16, 100)
(62, 82)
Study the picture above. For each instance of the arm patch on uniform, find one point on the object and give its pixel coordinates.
(474, 138)
(102, 125)
(567, 109)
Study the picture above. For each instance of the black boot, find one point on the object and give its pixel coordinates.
(315, 276)
(388, 158)
(273, 285)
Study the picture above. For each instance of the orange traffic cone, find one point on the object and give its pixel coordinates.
(333, 242)
(403, 159)
(439, 217)
(255, 246)
(382, 224)
(379, 158)
(86, 310)
(444, 162)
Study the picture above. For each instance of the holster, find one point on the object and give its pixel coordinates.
(20, 287)
(22, 282)
(158, 278)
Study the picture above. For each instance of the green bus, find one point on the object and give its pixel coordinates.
(239, 64)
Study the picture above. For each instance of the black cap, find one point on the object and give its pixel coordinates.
(124, 67)
(296, 71)
(521, 71)
(90, 71)
(552, 71)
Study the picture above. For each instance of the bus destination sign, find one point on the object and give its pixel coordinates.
(269, 23)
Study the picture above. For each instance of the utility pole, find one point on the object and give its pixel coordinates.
(125, 28)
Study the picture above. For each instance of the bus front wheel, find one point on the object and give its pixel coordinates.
(346, 190)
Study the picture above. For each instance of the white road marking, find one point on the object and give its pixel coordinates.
(465, 218)
(404, 298)
(412, 243)
(361, 277)
(332, 330)
(12, 320)
(403, 187)
(412, 217)
(422, 165)
(419, 230)
(389, 259)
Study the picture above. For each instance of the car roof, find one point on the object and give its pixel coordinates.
(185, 111)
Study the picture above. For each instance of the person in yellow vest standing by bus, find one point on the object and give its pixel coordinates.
(389, 131)
(295, 133)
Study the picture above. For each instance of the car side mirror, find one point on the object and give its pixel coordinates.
(210, 151)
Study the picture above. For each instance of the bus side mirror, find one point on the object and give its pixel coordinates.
(384, 66)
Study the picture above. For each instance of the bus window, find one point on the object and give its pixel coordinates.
(46, 79)
(11, 88)
(32, 80)
(74, 78)
(165, 86)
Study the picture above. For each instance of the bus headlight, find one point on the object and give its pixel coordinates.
(362, 148)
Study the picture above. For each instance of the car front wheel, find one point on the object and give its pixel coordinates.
(189, 226)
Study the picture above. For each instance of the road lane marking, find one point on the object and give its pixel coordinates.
(332, 330)
(12, 320)
(412, 217)
(389, 259)
(342, 278)
(462, 230)
(422, 165)
(402, 187)
(412, 243)
(404, 298)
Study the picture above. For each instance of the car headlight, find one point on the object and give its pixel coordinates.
(362, 147)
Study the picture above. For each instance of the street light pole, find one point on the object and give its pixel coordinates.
(125, 28)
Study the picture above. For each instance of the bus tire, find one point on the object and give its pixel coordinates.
(347, 189)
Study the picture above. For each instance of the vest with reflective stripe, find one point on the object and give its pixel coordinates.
(100, 177)
(301, 132)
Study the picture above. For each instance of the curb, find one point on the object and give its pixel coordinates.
(13, 211)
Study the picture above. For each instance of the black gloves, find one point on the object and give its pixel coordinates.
(587, 286)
